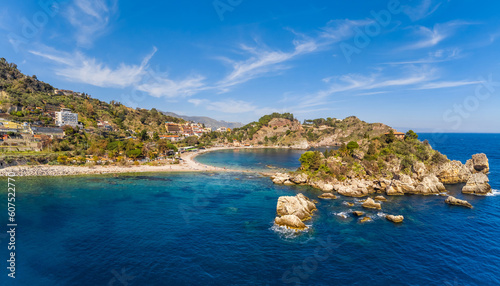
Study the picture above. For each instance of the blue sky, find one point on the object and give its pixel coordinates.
(423, 64)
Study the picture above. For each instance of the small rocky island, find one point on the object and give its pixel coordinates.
(387, 165)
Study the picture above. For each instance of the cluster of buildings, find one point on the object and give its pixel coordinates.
(186, 130)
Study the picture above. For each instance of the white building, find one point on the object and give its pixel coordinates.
(66, 117)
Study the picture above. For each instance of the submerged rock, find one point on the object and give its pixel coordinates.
(395, 218)
(478, 163)
(371, 204)
(358, 213)
(365, 219)
(477, 184)
(327, 196)
(454, 201)
(298, 205)
(290, 221)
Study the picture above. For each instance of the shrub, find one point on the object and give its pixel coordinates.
(439, 158)
(351, 146)
(310, 160)
(411, 135)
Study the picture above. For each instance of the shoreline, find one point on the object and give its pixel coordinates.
(188, 164)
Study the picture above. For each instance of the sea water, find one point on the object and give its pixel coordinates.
(217, 229)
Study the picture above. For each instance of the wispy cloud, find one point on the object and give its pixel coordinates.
(231, 106)
(263, 61)
(432, 37)
(77, 67)
(90, 18)
(161, 86)
(441, 55)
(447, 84)
(421, 11)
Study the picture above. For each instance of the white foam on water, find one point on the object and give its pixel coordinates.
(343, 214)
(286, 232)
(493, 193)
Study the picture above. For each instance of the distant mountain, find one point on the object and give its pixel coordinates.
(209, 122)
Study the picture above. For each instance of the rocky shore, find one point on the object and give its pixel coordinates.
(422, 180)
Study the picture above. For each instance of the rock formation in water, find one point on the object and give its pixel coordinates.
(422, 180)
(327, 196)
(454, 201)
(358, 213)
(477, 184)
(289, 207)
(290, 221)
(365, 219)
(395, 218)
(371, 204)
(478, 163)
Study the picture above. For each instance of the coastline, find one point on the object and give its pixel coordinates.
(188, 164)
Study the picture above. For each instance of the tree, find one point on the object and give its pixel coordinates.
(310, 160)
(156, 137)
(411, 135)
(351, 146)
(389, 138)
(144, 135)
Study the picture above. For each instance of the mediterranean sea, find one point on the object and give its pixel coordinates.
(217, 229)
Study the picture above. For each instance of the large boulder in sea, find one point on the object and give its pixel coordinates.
(371, 204)
(454, 201)
(477, 184)
(327, 196)
(290, 221)
(298, 205)
(478, 163)
(395, 218)
(453, 172)
(430, 185)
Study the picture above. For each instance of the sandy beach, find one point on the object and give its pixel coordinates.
(187, 164)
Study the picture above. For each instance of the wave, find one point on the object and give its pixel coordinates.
(288, 233)
(493, 193)
(343, 214)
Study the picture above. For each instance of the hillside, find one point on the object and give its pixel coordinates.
(209, 122)
(26, 99)
(286, 131)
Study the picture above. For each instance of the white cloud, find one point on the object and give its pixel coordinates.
(231, 106)
(447, 84)
(160, 86)
(90, 18)
(263, 61)
(421, 11)
(439, 32)
(76, 67)
(438, 56)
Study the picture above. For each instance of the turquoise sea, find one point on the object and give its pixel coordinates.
(217, 229)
